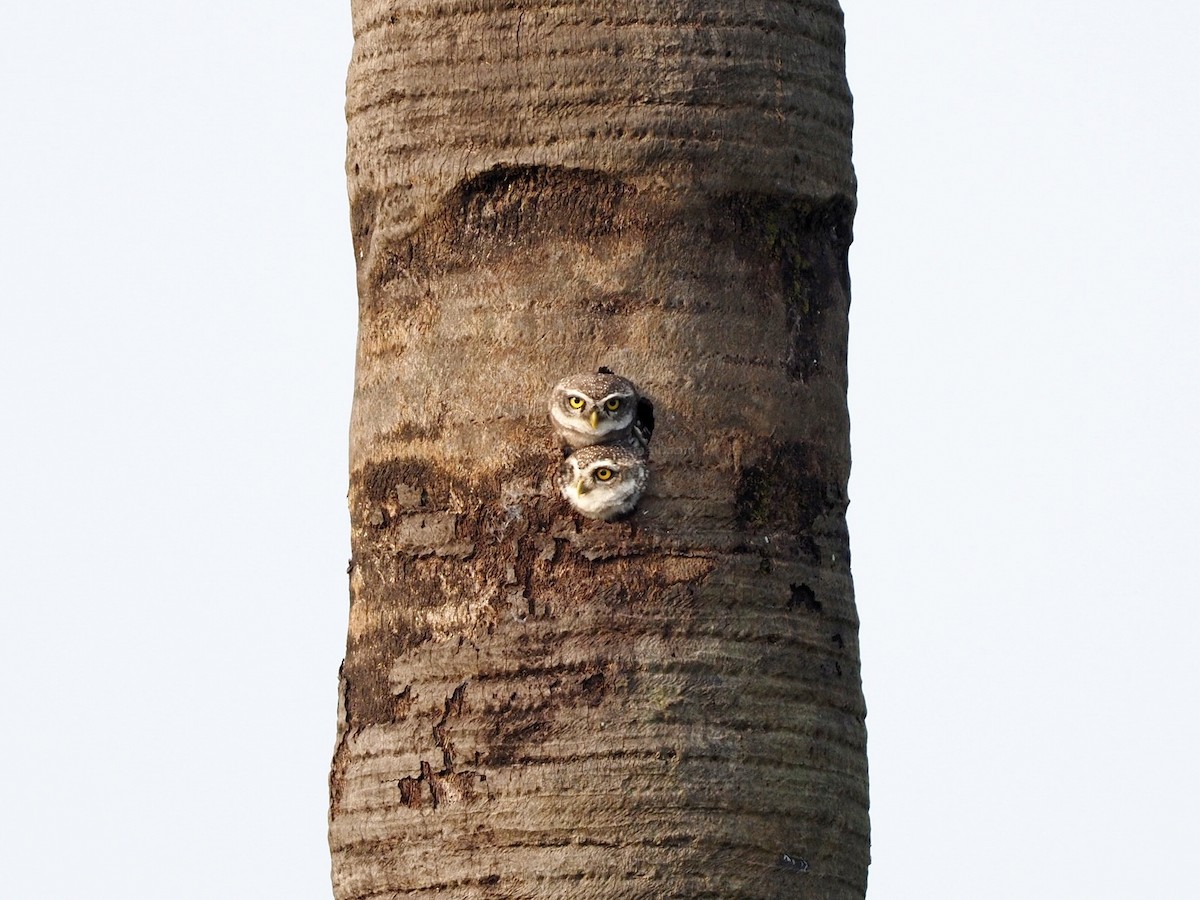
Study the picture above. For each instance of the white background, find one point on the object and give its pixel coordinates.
(177, 317)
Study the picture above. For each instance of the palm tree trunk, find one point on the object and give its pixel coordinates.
(538, 705)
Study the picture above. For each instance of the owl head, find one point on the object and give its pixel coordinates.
(604, 481)
(593, 409)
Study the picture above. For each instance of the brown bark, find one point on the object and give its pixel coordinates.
(539, 705)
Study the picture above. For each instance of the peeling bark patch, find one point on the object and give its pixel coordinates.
(403, 481)
(411, 790)
(404, 702)
(803, 597)
(455, 706)
(438, 788)
(437, 576)
(456, 703)
(448, 784)
(408, 485)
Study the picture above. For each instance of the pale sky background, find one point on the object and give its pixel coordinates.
(177, 320)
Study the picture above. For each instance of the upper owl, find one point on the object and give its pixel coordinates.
(602, 408)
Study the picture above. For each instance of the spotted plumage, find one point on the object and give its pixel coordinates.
(600, 408)
(605, 481)
(604, 425)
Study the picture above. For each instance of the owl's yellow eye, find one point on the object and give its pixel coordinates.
(612, 405)
(603, 474)
(575, 402)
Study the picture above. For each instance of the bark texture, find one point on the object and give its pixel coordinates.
(537, 705)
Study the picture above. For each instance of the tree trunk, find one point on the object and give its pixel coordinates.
(536, 704)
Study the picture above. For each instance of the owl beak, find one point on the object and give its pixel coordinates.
(582, 487)
(594, 418)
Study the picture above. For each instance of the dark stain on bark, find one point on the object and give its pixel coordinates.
(493, 214)
(364, 207)
(410, 431)
(803, 248)
(378, 483)
(519, 725)
(831, 668)
(513, 742)
(786, 489)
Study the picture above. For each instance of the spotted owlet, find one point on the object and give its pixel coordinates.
(605, 481)
(602, 408)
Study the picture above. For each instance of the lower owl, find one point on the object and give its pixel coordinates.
(604, 481)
